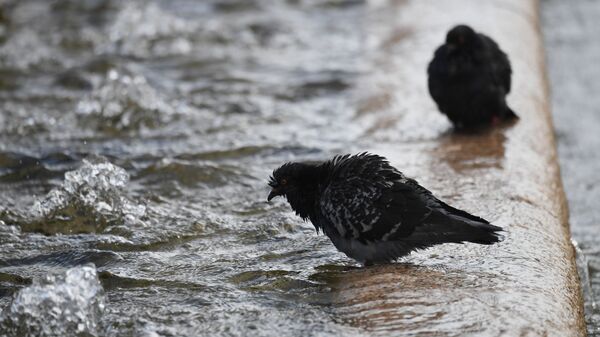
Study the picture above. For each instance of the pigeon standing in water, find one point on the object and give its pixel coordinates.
(469, 78)
(371, 211)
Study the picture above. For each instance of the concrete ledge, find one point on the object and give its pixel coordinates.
(528, 284)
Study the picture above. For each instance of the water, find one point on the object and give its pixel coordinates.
(57, 305)
(138, 136)
(571, 32)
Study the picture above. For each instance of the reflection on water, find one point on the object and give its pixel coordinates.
(386, 298)
(472, 151)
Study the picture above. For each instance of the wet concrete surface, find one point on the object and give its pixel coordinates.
(138, 137)
(527, 285)
(571, 33)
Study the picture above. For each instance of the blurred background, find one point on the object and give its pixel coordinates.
(138, 136)
(570, 32)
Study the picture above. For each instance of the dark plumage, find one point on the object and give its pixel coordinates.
(469, 78)
(371, 211)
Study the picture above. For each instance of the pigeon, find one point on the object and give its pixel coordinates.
(469, 78)
(371, 211)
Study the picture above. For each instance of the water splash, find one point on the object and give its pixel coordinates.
(126, 102)
(68, 304)
(91, 198)
(147, 30)
(24, 50)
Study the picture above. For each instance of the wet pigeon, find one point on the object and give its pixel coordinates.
(371, 211)
(469, 78)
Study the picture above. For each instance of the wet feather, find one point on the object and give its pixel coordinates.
(469, 78)
(371, 211)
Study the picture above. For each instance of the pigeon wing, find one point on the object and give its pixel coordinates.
(373, 208)
(437, 72)
(501, 70)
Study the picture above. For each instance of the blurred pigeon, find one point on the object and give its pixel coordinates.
(371, 211)
(469, 78)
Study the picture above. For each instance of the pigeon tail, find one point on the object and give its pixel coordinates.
(481, 233)
(456, 226)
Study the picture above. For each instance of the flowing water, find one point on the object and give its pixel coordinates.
(136, 139)
(571, 32)
(138, 136)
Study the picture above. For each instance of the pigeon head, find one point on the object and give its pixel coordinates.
(298, 183)
(460, 37)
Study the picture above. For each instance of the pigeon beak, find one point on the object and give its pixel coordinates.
(274, 192)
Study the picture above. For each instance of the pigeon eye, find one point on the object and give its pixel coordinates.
(283, 181)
